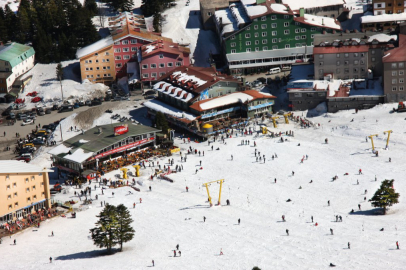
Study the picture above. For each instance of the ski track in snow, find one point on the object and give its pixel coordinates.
(169, 215)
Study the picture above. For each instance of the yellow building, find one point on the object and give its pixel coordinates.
(97, 62)
(24, 188)
(388, 6)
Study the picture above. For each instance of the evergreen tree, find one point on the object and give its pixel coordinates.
(59, 72)
(161, 122)
(3, 29)
(124, 231)
(385, 196)
(91, 6)
(103, 234)
(10, 22)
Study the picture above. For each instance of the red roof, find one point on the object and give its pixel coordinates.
(343, 49)
(398, 54)
(164, 46)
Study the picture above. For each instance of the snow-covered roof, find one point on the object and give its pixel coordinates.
(321, 21)
(331, 86)
(297, 4)
(226, 19)
(249, 2)
(239, 14)
(95, 47)
(279, 8)
(60, 149)
(253, 11)
(226, 100)
(79, 156)
(384, 18)
(159, 106)
(150, 48)
(180, 76)
(15, 166)
(383, 37)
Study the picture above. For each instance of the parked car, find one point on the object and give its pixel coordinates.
(55, 107)
(48, 111)
(12, 116)
(38, 141)
(81, 103)
(88, 102)
(27, 121)
(24, 158)
(40, 111)
(107, 98)
(66, 108)
(21, 116)
(76, 105)
(96, 102)
(26, 150)
(256, 83)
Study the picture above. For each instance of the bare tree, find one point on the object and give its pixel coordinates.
(101, 11)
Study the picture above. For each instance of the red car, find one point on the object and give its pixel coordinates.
(24, 158)
(299, 61)
(36, 99)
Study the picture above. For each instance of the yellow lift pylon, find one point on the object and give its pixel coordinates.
(372, 141)
(387, 141)
(208, 193)
(124, 170)
(137, 170)
(274, 121)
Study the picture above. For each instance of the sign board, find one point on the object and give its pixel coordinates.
(207, 115)
(124, 147)
(120, 130)
(300, 85)
(259, 106)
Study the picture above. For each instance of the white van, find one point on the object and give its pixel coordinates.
(286, 68)
(274, 70)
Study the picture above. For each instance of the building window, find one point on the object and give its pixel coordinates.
(117, 50)
(233, 44)
(133, 49)
(161, 65)
(373, 59)
(274, 33)
(346, 55)
(394, 73)
(401, 65)
(126, 49)
(401, 88)
(346, 70)
(355, 54)
(263, 18)
(394, 81)
(125, 42)
(117, 57)
(257, 49)
(303, 30)
(119, 65)
(338, 63)
(274, 25)
(144, 66)
(161, 74)
(27, 189)
(161, 56)
(153, 75)
(145, 75)
(338, 70)
(394, 88)
(178, 64)
(233, 37)
(303, 37)
(247, 35)
(170, 64)
(286, 32)
(153, 65)
(401, 80)
(356, 70)
(372, 52)
(273, 17)
(297, 37)
(286, 16)
(255, 27)
(263, 26)
(249, 28)
(234, 51)
(401, 72)
(287, 46)
(248, 50)
(256, 35)
(321, 63)
(133, 41)
(394, 65)
(264, 41)
(126, 57)
(286, 24)
(248, 43)
(265, 48)
(117, 43)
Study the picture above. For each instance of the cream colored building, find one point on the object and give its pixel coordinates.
(24, 188)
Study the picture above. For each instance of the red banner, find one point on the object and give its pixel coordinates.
(124, 147)
(119, 130)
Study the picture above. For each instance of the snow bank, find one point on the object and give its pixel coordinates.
(296, 4)
(253, 11)
(322, 21)
(98, 45)
(384, 18)
(279, 8)
(383, 37)
(79, 156)
(318, 111)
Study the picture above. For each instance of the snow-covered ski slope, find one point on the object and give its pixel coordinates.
(169, 215)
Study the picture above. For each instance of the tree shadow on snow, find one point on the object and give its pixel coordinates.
(193, 20)
(85, 255)
(371, 212)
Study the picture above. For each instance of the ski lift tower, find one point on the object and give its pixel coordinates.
(208, 193)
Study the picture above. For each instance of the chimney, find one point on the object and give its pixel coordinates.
(301, 12)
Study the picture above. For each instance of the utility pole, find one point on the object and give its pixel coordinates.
(60, 128)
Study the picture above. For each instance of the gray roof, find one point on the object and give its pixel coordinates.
(269, 54)
(15, 166)
(206, 4)
(97, 141)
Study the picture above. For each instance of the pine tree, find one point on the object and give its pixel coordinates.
(161, 122)
(385, 196)
(103, 234)
(91, 6)
(124, 231)
(59, 72)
